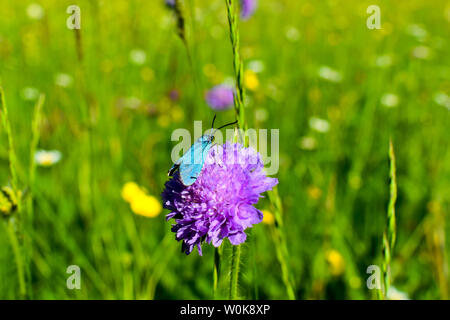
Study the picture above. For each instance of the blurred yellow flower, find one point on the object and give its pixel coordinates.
(147, 74)
(140, 202)
(130, 190)
(211, 72)
(251, 80)
(336, 261)
(314, 192)
(268, 217)
(177, 114)
(8, 200)
(163, 121)
(146, 205)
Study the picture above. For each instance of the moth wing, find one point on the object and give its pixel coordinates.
(191, 166)
(185, 158)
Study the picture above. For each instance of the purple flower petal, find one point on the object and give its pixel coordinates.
(248, 7)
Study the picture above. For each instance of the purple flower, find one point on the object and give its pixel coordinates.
(248, 7)
(174, 95)
(220, 203)
(170, 3)
(220, 97)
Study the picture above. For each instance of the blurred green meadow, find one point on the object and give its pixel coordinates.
(337, 91)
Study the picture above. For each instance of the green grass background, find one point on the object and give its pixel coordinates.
(80, 217)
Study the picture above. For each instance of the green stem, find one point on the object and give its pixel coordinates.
(17, 257)
(14, 184)
(240, 115)
(390, 232)
(237, 63)
(216, 271)
(234, 272)
(280, 242)
(11, 151)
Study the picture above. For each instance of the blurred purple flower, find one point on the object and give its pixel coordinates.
(170, 3)
(248, 7)
(220, 203)
(220, 97)
(174, 95)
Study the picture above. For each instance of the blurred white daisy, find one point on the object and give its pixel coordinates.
(261, 114)
(307, 143)
(256, 66)
(383, 61)
(389, 100)
(292, 34)
(131, 102)
(417, 32)
(442, 99)
(47, 158)
(395, 294)
(320, 125)
(421, 52)
(138, 56)
(35, 11)
(63, 80)
(229, 81)
(30, 93)
(329, 74)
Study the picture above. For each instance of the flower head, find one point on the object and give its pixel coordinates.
(336, 262)
(268, 217)
(63, 80)
(140, 202)
(138, 56)
(35, 11)
(47, 158)
(170, 3)
(220, 97)
(248, 7)
(220, 203)
(251, 80)
(330, 74)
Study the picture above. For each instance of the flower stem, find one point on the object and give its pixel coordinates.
(237, 63)
(17, 257)
(240, 115)
(234, 272)
(280, 242)
(390, 232)
(216, 271)
(12, 233)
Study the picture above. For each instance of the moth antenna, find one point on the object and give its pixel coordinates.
(214, 119)
(228, 124)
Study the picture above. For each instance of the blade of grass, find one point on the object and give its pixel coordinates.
(390, 233)
(14, 225)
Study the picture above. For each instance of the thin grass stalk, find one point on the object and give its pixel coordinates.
(28, 222)
(11, 148)
(35, 127)
(18, 258)
(280, 242)
(181, 31)
(240, 116)
(390, 233)
(237, 63)
(234, 272)
(14, 226)
(216, 270)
